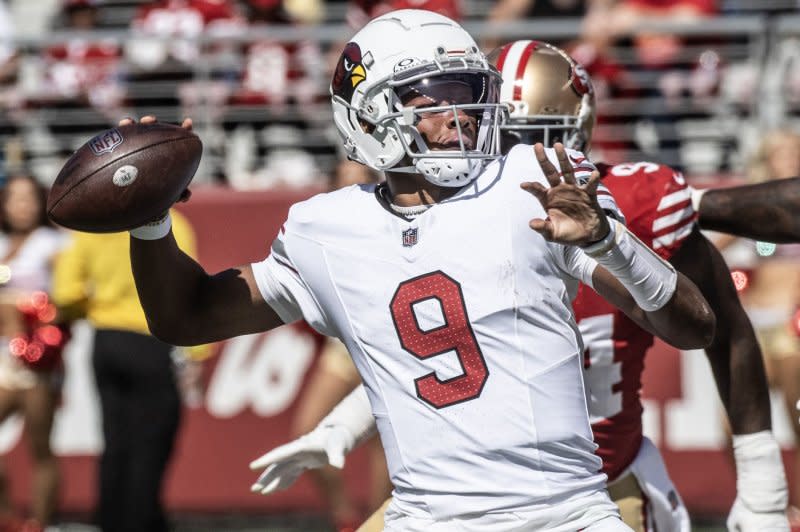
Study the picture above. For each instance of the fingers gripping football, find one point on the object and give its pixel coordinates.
(150, 119)
(573, 213)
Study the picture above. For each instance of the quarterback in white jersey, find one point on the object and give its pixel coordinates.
(450, 285)
(441, 343)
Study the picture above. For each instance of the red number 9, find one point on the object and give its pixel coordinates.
(455, 335)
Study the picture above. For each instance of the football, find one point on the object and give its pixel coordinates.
(124, 177)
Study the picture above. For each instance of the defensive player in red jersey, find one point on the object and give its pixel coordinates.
(552, 101)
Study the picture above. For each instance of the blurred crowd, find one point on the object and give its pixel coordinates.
(254, 75)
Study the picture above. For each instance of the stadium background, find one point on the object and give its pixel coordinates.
(257, 94)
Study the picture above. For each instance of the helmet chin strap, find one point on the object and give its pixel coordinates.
(452, 172)
(449, 171)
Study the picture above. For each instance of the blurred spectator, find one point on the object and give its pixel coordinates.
(671, 83)
(10, 95)
(274, 110)
(336, 376)
(513, 10)
(135, 376)
(31, 344)
(359, 12)
(166, 30)
(79, 83)
(170, 65)
(82, 72)
(610, 82)
(769, 283)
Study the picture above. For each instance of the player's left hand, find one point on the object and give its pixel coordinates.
(323, 446)
(743, 519)
(573, 214)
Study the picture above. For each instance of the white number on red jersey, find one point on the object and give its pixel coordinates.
(628, 169)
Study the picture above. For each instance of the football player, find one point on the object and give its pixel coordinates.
(552, 101)
(450, 284)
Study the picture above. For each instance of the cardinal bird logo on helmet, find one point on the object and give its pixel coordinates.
(349, 72)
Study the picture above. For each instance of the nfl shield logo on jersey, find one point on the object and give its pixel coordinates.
(410, 237)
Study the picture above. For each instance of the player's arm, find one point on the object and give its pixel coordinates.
(767, 211)
(738, 369)
(184, 305)
(684, 318)
(630, 275)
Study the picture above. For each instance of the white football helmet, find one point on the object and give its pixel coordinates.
(549, 94)
(400, 56)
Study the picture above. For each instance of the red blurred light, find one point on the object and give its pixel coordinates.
(740, 279)
(17, 346)
(39, 300)
(796, 322)
(34, 351)
(49, 334)
(46, 314)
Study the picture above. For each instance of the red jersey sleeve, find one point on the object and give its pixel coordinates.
(656, 202)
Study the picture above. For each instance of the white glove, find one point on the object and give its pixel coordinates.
(349, 423)
(742, 519)
(762, 495)
(321, 447)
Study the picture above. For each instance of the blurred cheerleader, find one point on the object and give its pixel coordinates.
(31, 343)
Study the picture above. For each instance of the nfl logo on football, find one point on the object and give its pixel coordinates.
(410, 237)
(106, 142)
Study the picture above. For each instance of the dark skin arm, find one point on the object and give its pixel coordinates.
(734, 353)
(183, 304)
(768, 211)
(574, 217)
(186, 306)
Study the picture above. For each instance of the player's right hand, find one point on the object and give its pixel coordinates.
(744, 519)
(321, 447)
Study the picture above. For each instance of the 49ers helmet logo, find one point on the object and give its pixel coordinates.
(579, 78)
(349, 72)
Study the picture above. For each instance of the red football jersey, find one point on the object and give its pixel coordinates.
(657, 205)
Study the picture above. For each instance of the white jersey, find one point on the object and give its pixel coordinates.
(461, 326)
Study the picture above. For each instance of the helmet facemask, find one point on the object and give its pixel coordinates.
(573, 131)
(468, 101)
(378, 120)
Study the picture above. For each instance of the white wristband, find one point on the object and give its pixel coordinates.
(697, 196)
(354, 414)
(154, 230)
(760, 478)
(650, 279)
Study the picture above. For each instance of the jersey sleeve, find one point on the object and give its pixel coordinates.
(657, 203)
(283, 288)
